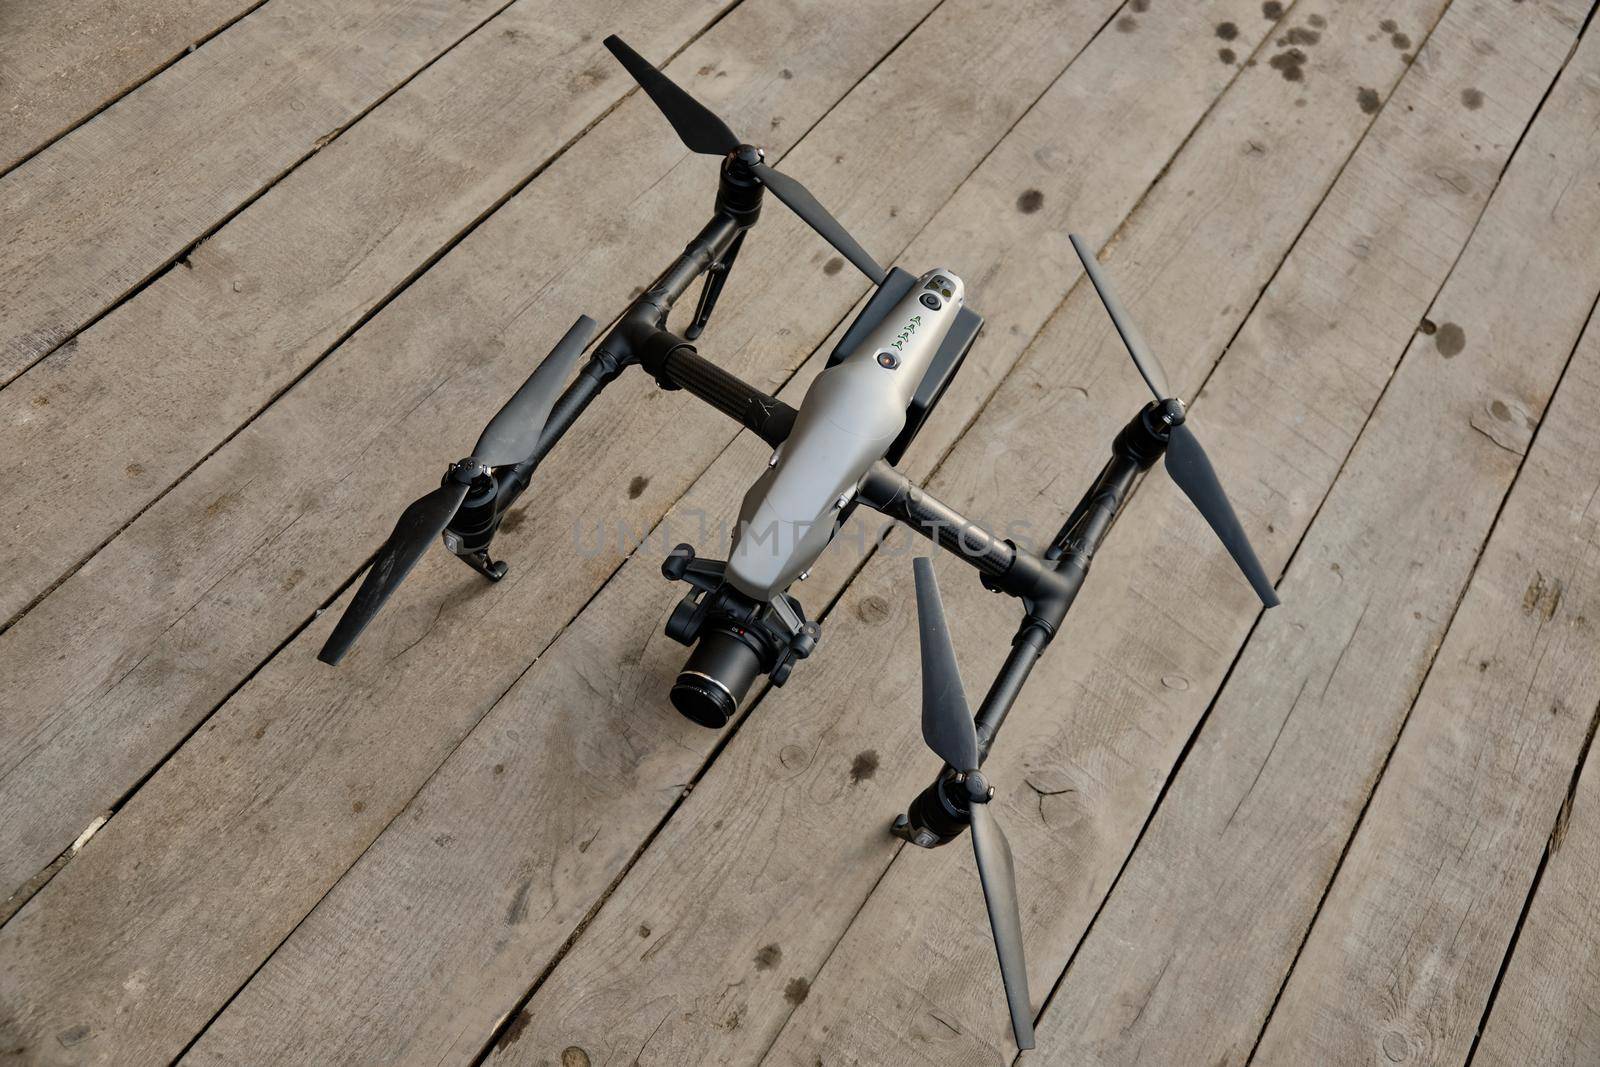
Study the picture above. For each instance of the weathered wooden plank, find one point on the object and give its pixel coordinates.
(348, 988)
(1546, 1008)
(1405, 959)
(216, 858)
(268, 295)
(1402, 955)
(751, 884)
(137, 641)
(62, 62)
(1185, 959)
(120, 197)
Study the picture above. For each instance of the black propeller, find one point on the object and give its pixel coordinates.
(511, 437)
(702, 131)
(948, 729)
(1187, 463)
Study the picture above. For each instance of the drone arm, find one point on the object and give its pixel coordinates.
(1005, 566)
(1049, 583)
(601, 369)
(1046, 584)
(677, 365)
(635, 335)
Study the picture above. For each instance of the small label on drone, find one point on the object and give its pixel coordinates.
(906, 331)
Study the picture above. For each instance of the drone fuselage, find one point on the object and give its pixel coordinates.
(849, 419)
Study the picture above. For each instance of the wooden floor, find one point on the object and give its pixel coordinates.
(269, 265)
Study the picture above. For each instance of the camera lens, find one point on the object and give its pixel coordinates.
(715, 679)
(930, 301)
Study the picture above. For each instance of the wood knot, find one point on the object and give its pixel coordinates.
(873, 610)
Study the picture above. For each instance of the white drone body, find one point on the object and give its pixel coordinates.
(851, 415)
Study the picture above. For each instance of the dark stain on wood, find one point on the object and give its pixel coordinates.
(1227, 31)
(1450, 339)
(1290, 63)
(1472, 99)
(1367, 100)
(519, 904)
(864, 766)
(637, 486)
(796, 991)
(1030, 201)
(768, 957)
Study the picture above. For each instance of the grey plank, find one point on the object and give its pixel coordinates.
(1404, 953)
(1548, 1004)
(62, 62)
(1405, 950)
(98, 212)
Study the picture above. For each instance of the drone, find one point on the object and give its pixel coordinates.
(834, 453)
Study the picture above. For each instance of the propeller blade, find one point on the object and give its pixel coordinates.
(1189, 467)
(947, 725)
(513, 433)
(1150, 368)
(999, 880)
(419, 524)
(698, 127)
(802, 203)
